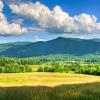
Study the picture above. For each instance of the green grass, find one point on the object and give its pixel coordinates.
(49, 86)
(90, 91)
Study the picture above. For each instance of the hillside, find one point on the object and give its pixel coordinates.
(73, 46)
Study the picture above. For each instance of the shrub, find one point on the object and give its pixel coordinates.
(40, 69)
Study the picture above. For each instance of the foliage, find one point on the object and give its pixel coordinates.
(13, 65)
(92, 69)
(87, 64)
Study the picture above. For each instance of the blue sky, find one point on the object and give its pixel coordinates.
(72, 7)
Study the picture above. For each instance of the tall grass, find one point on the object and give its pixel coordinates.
(49, 86)
(90, 91)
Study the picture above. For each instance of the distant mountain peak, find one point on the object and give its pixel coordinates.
(66, 38)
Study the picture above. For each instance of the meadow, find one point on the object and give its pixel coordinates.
(49, 86)
(49, 78)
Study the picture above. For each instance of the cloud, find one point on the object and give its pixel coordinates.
(1, 6)
(33, 29)
(6, 28)
(16, 1)
(18, 20)
(56, 20)
(36, 39)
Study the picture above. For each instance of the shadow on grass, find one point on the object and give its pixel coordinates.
(90, 91)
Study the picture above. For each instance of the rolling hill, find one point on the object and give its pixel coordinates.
(5, 46)
(60, 45)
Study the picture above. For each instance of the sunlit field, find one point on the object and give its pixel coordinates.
(48, 79)
(49, 86)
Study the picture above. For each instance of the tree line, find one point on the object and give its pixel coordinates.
(51, 63)
(93, 69)
(14, 65)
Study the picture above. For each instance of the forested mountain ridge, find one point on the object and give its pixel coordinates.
(5, 46)
(60, 45)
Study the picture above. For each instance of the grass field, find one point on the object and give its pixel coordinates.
(49, 86)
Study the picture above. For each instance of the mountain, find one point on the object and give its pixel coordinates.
(5, 46)
(60, 45)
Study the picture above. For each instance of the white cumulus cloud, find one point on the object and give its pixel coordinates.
(56, 20)
(7, 28)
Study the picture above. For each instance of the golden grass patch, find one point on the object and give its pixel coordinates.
(47, 79)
